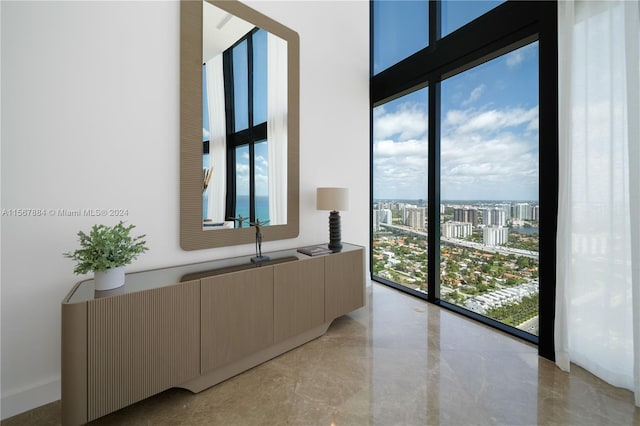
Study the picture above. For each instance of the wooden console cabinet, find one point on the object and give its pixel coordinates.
(194, 326)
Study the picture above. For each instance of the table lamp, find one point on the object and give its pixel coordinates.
(334, 200)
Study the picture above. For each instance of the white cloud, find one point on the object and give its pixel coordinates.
(485, 154)
(488, 121)
(409, 122)
(261, 162)
(514, 58)
(400, 169)
(474, 95)
(490, 154)
(400, 151)
(389, 148)
(242, 172)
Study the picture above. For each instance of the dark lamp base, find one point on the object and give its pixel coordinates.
(335, 243)
(259, 259)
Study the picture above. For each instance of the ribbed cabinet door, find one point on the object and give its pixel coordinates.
(298, 297)
(237, 316)
(140, 344)
(344, 285)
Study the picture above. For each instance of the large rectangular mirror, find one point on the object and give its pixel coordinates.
(239, 125)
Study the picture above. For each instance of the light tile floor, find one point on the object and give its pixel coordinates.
(398, 361)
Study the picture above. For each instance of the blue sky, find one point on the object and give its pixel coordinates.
(261, 163)
(489, 134)
(402, 25)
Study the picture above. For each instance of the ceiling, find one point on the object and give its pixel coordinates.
(220, 30)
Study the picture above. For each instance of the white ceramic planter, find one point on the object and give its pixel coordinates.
(109, 279)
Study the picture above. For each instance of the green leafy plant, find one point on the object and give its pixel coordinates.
(106, 247)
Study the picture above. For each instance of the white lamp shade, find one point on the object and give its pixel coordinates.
(332, 199)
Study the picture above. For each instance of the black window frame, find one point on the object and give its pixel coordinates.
(507, 27)
(254, 133)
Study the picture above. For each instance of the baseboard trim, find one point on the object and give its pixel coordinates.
(29, 398)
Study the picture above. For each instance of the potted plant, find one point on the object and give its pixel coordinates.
(106, 250)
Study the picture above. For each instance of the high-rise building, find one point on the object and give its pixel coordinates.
(507, 209)
(535, 212)
(522, 211)
(465, 214)
(498, 217)
(414, 217)
(495, 235)
(456, 229)
(381, 216)
(376, 220)
(405, 208)
(494, 217)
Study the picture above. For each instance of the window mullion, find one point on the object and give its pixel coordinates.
(227, 64)
(433, 169)
(435, 21)
(433, 208)
(252, 183)
(250, 79)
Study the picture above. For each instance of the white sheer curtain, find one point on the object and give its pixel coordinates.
(217, 140)
(597, 323)
(277, 128)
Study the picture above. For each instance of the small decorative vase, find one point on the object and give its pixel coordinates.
(109, 279)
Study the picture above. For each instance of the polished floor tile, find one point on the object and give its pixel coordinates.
(398, 361)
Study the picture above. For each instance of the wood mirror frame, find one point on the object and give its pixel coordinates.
(192, 234)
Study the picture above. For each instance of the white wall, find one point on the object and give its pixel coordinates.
(90, 119)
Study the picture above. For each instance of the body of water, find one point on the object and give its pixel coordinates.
(262, 207)
(526, 231)
(242, 207)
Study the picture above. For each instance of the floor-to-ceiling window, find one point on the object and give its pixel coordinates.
(246, 91)
(489, 174)
(400, 190)
(464, 158)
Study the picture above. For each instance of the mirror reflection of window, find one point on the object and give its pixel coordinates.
(205, 145)
(260, 178)
(245, 131)
(246, 90)
(242, 205)
(261, 161)
(240, 84)
(260, 50)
